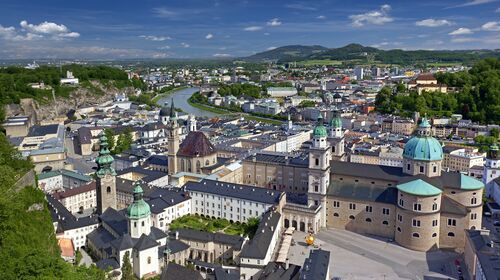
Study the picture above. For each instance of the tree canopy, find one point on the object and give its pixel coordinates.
(478, 96)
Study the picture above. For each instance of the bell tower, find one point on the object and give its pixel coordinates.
(491, 169)
(106, 178)
(173, 141)
(319, 169)
(336, 137)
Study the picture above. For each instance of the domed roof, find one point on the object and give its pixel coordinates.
(336, 122)
(423, 146)
(139, 208)
(319, 131)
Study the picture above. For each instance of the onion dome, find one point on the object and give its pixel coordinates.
(139, 208)
(319, 131)
(105, 159)
(423, 146)
(336, 122)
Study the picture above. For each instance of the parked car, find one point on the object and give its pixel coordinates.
(496, 223)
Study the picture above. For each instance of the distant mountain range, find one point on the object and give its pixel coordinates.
(361, 54)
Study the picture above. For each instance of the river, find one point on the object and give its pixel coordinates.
(180, 98)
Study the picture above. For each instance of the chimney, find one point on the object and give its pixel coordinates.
(262, 230)
(176, 235)
(287, 263)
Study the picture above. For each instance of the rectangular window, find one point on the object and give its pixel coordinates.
(452, 222)
(417, 207)
(421, 169)
(473, 216)
(336, 204)
(385, 211)
(352, 206)
(369, 209)
(416, 223)
(400, 218)
(401, 202)
(434, 223)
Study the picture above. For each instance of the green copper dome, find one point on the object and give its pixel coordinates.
(423, 146)
(105, 159)
(319, 131)
(139, 208)
(419, 187)
(336, 122)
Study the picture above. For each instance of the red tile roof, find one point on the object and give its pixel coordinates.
(196, 144)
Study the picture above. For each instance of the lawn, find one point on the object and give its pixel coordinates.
(214, 225)
(319, 62)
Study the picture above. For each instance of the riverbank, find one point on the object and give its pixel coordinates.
(165, 94)
(221, 111)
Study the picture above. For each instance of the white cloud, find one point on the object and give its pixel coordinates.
(433, 22)
(164, 48)
(155, 38)
(164, 13)
(253, 28)
(274, 22)
(497, 10)
(461, 31)
(209, 36)
(222, 55)
(378, 17)
(473, 3)
(48, 28)
(463, 40)
(29, 31)
(267, 33)
(321, 17)
(271, 48)
(185, 45)
(491, 26)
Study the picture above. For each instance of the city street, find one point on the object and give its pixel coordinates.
(355, 256)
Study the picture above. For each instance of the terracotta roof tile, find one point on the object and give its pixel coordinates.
(196, 144)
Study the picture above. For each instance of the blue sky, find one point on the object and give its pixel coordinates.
(109, 29)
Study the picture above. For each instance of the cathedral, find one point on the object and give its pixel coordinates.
(420, 205)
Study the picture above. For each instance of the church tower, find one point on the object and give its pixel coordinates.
(173, 140)
(138, 214)
(491, 169)
(106, 178)
(336, 137)
(319, 169)
(191, 123)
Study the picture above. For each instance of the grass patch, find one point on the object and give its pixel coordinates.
(214, 225)
(314, 62)
(208, 108)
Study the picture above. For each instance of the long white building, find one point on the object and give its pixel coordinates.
(233, 202)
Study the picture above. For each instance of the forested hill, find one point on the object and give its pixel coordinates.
(15, 82)
(478, 97)
(28, 246)
(362, 54)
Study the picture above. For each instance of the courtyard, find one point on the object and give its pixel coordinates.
(354, 256)
(215, 225)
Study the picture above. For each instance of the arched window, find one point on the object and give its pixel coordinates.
(473, 227)
(316, 161)
(434, 234)
(368, 220)
(108, 189)
(198, 166)
(335, 214)
(351, 217)
(399, 229)
(385, 223)
(183, 167)
(149, 260)
(416, 235)
(207, 162)
(451, 234)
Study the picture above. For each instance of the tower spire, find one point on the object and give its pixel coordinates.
(172, 108)
(105, 159)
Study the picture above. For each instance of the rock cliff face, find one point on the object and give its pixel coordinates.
(80, 97)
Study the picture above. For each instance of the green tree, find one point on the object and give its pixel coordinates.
(494, 132)
(111, 138)
(307, 103)
(127, 271)
(400, 88)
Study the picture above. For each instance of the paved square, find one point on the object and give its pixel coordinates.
(355, 256)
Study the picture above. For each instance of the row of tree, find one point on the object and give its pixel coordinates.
(478, 96)
(122, 143)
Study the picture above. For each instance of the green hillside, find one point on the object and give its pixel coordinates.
(356, 53)
(28, 246)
